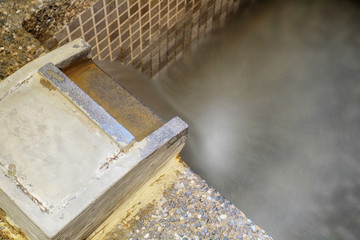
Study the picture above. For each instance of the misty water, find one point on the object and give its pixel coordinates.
(273, 104)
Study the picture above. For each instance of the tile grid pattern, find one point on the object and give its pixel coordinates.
(147, 34)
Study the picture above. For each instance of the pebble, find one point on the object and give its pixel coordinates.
(180, 216)
(223, 216)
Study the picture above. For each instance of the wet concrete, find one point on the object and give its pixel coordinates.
(273, 103)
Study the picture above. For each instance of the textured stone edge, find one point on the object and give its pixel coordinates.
(162, 145)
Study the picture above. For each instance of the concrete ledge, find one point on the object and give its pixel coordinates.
(60, 175)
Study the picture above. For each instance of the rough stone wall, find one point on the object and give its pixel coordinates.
(147, 34)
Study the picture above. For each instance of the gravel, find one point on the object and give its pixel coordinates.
(17, 46)
(191, 209)
(26, 24)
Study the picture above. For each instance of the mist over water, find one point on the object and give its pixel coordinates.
(273, 104)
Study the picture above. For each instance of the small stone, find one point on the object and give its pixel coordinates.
(223, 216)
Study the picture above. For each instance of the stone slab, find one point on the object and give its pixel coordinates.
(61, 174)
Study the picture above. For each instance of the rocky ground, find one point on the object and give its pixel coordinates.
(190, 209)
(52, 17)
(26, 24)
(17, 46)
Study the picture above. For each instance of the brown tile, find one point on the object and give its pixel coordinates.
(172, 13)
(124, 26)
(209, 23)
(163, 12)
(145, 35)
(224, 5)
(73, 25)
(113, 26)
(64, 41)
(115, 44)
(179, 29)
(155, 20)
(110, 6)
(136, 64)
(163, 37)
(179, 41)
(153, 3)
(127, 59)
(164, 4)
(99, 16)
(163, 62)
(126, 43)
(134, 18)
(163, 44)
(124, 17)
(114, 35)
(146, 51)
(155, 46)
(144, 19)
(172, 22)
(89, 35)
(97, 6)
(171, 43)
(100, 26)
(145, 27)
(146, 67)
(172, 4)
(136, 44)
(170, 58)
(76, 34)
(119, 2)
(178, 50)
(92, 42)
(196, 6)
(104, 55)
(154, 10)
(61, 34)
(145, 43)
(134, 9)
(135, 36)
(181, 5)
(86, 15)
(88, 25)
(122, 8)
(104, 44)
(135, 27)
(127, 52)
(188, 5)
(155, 28)
(145, 59)
(102, 35)
(125, 35)
(145, 10)
(210, 3)
(136, 52)
(112, 17)
(171, 30)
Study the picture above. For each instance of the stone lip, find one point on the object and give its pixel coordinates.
(114, 173)
(88, 105)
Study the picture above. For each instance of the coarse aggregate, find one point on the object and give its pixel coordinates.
(190, 209)
(17, 46)
(52, 17)
(25, 25)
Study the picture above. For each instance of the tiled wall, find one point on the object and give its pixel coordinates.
(149, 34)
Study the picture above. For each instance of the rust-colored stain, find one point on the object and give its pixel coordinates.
(45, 83)
(157, 180)
(118, 102)
(7, 231)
